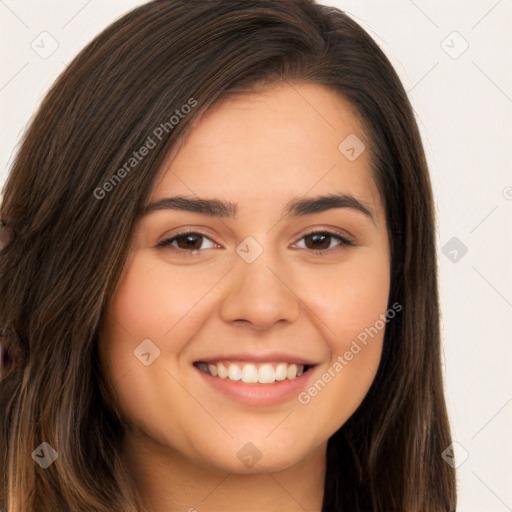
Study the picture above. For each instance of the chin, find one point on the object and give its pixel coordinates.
(255, 457)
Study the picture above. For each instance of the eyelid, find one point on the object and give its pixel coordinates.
(342, 234)
(345, 241)
(166, 242)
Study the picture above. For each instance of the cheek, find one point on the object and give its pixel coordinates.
(350, 298)
(151, 303)
(352, 309)
(156, 301)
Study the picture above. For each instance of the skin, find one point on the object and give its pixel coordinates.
(258, 150)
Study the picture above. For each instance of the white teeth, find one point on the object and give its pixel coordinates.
(222, 372)
(281, 371)
(234, 372)
(266, 374)
(252, 373)
(291, 371)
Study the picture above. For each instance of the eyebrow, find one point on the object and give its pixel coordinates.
(295, 208)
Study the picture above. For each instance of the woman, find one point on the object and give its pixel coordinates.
(218, 281)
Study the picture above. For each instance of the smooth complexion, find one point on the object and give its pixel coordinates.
(304, 296)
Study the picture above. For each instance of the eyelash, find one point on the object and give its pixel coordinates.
(344, 242)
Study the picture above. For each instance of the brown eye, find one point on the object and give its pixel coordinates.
(320, 241)
(187, 242)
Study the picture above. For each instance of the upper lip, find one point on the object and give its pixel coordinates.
(260, 357)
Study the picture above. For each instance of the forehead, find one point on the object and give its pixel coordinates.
(267, 146)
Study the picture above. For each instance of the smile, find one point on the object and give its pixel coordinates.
(256, 380)
(252, 373)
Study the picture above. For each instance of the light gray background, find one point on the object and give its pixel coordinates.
(464, 108)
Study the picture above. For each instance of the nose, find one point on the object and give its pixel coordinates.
(260, 294)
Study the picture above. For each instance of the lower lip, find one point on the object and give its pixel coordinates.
(258, 395)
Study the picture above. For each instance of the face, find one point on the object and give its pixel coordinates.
(269, 284)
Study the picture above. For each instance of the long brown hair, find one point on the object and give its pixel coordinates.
(72, 236)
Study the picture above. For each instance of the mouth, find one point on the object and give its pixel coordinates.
(253, 372)
(256, 384)
(262, 380)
